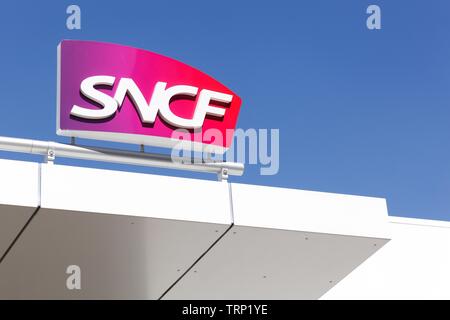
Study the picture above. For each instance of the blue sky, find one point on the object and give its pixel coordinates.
(359, 111)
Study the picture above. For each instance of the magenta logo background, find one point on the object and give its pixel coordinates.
(78, 60)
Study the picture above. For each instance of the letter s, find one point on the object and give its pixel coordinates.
(89, 91)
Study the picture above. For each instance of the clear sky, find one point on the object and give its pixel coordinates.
(359, 111)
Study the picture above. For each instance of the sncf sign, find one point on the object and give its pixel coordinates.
(159, 101)
(124, 94)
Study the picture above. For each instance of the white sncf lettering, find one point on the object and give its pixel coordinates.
(158, 104)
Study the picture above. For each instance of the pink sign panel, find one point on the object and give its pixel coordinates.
(124, 94)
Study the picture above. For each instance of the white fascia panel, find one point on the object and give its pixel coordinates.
(19, 183)
(134, 194)
(311, 211)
